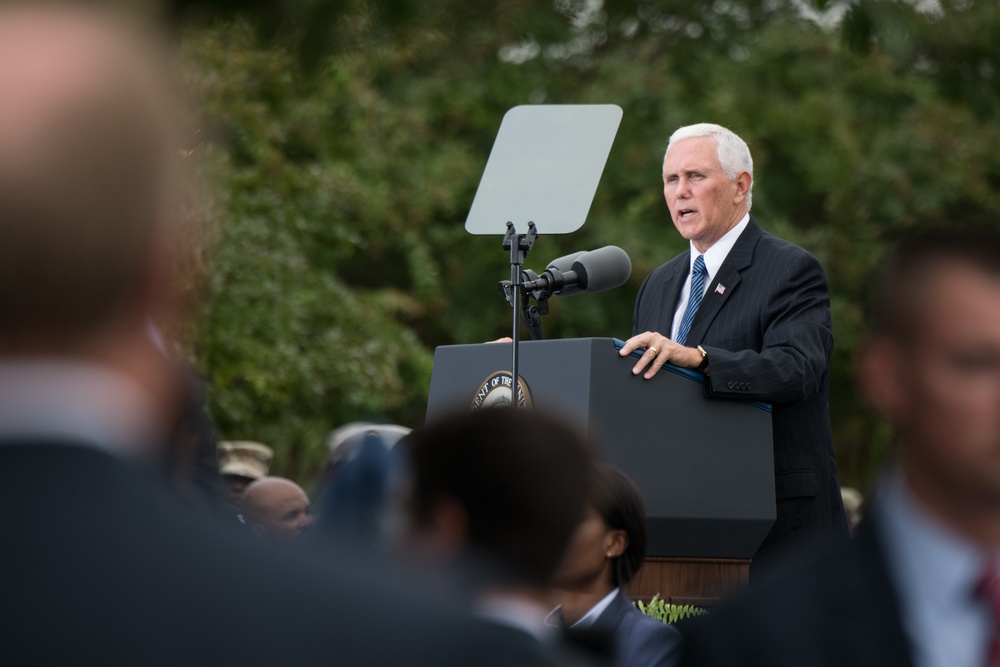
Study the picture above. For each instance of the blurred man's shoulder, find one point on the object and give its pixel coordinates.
(831, 605)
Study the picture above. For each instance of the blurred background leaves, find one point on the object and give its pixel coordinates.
(345, 141)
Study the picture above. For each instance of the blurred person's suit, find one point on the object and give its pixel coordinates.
(829, 609)
(919, 583)
(102, 564)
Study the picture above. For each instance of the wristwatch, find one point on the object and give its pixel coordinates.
(704, 359)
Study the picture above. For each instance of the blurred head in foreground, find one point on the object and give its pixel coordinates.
(932, 368)
(276, 508)
(500, 490)
(89, 188)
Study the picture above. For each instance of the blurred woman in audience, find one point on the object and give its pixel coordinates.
(602, 558)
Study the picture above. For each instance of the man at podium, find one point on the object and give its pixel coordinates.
(752, 312)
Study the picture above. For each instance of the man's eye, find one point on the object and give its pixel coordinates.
(976, 363)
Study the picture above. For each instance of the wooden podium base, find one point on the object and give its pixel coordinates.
(703, 582)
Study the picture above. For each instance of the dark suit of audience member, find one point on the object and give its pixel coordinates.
(639, 639)
(762, 330)
(829, 609)
(101, 564)
(918, 585)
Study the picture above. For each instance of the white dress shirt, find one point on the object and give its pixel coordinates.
(517, 612)
(595, 612)
(935, 572)
(75, 402)
(714, 257)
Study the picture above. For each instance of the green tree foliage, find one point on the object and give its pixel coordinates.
(343, 184)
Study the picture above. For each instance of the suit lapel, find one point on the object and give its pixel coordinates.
(615, 612)
(724, 283)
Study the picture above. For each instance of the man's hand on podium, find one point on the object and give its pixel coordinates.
(660, 350)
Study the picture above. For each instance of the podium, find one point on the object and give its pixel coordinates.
(704, 466)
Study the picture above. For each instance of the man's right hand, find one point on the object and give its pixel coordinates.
(659, 350)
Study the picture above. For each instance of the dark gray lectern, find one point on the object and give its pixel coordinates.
(704, 466)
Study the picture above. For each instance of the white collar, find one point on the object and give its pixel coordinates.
(935, 571)
(716, 255)
(74, 401)
(595, 612)
(518, 612)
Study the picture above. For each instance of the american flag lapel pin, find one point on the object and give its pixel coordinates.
(720, 289)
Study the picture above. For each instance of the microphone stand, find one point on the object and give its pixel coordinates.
(519, 245)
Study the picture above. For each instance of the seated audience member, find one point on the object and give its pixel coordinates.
(359, 480)
(603, 556)
(101, 562)
(240, 463)
(854, 505)
(276, 509)
(344, 441)
(918, 585)
(495, 496)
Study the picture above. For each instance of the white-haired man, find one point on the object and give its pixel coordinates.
(756, 323)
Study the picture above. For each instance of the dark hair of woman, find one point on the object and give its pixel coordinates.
(617, 500)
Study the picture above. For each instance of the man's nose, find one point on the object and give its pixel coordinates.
(683, 188)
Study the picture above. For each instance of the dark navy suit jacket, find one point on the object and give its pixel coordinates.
(765, 323)
(99, 565)
(834, 607)
(640, 641)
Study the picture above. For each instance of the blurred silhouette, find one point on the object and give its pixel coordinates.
(918, 583)
(854, 503)
(102, 563)
(360, 477)
(494, 498)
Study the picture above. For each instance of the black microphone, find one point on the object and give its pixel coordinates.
(594, 271)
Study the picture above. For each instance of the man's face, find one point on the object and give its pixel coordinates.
(283, 513)
(704, 204)
(235, 486)
(942, 391)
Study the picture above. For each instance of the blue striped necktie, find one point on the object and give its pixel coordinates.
(698, 276)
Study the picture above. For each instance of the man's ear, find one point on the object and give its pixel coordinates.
(880, 374)
(743, 183)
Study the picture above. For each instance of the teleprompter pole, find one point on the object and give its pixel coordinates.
(519, 246)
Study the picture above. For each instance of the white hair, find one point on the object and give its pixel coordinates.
(733, 152)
